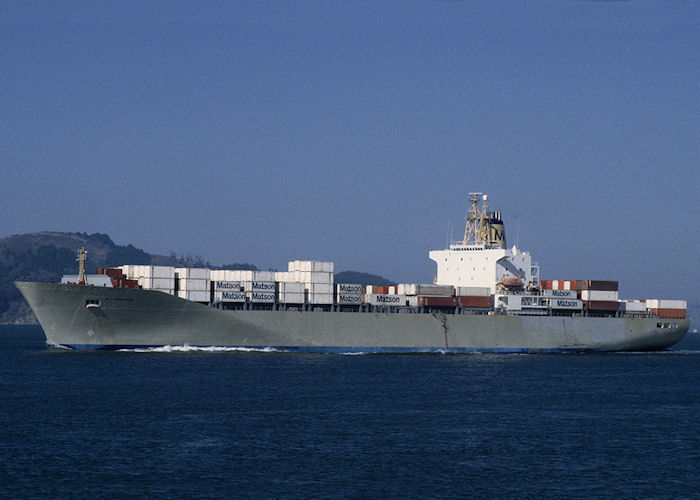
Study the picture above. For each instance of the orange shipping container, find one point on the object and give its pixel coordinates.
(669, 313)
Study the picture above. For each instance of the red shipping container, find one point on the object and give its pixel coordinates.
(129, 283)
(474, 301)
(600, 305)
(114, 273)
(546, 284)
(669, 313)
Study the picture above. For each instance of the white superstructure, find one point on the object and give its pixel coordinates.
(482, 258)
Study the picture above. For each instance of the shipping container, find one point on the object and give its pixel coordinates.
(632, 306)
(261, 297)
(606, 286)
(437, 301)
(229, 296)
(666, 304)
(290, 287)
(188, 272)
(599, 295)
(473, 291)
(349, 299)
(113, 273)
(291, 297)
(259, 286)
(194, 295)
(669, 313)
(320, 298)
(284, 277)
(562, 294)
(193, 284)
(347, 289)
(226, 286)
(382, 299)
(320, 277)
(600, 305)
(325, 288)
(446, 290)
(567, 303)
(474, 301)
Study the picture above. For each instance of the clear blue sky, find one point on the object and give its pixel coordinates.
(352, 131)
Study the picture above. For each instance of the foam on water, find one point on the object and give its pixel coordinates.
(190, 348)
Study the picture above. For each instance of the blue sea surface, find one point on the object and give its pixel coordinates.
(222, 423)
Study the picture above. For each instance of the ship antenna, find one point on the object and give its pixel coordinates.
(82, 256)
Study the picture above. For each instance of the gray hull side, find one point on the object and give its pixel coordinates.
(130, 317)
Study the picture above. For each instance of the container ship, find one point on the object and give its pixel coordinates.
(485, 297)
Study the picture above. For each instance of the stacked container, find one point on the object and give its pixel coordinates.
(317, 277)
(348, 294)
(664, 308)
(224, 286)
(290, 292)
(193, 284)
(598, 295)
(160, 278)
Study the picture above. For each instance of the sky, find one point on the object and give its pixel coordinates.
(353, 131)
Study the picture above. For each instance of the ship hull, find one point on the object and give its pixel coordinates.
(88, 317)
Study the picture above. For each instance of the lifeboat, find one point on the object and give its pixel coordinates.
(513, 282)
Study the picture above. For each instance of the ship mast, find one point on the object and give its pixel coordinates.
(82, 256)
(478, 228)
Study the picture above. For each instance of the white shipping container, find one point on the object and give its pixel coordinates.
(381, 299)
(324, 288)
(473, 291)
(166, 283)
(666, 304)
(229, 296)
(557, 303)
(227, 286)
(320, 277)
(347, 289)
(194, 295)
(261, 297)
(407, 289)
(259, 286)
(290, 287)
(349, 299)
(192, 273)
(562, 294)
(194, 284)
(161, 271)
(263, 276)
(224, 275)
(284, 277)
(320, 298)
(291, 298)
(599, 295)
(632, 306)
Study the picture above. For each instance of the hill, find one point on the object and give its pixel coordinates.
(363, 279)
(46, 256)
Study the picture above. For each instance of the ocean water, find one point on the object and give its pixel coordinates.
(207, 424)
